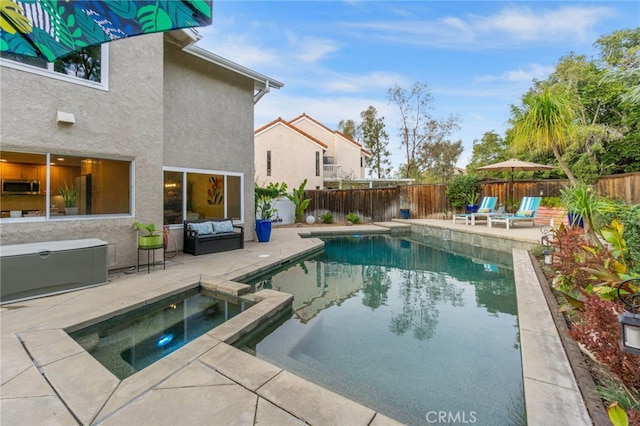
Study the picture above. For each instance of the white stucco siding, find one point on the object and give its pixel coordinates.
(124, 122)
(317, 131)
(293, 157)
(348, 156)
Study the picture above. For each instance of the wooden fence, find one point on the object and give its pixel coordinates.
(429, 201)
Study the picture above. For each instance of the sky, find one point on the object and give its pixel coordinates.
(336, 58)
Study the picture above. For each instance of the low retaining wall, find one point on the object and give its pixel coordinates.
(473, 238)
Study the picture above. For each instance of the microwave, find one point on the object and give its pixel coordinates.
(20, 186)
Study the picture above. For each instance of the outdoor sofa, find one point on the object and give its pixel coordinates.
(212, 235)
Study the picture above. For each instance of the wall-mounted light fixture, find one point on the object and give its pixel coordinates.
(630, 320)
(65, 118)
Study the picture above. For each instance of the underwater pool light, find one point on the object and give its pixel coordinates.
(164, 340)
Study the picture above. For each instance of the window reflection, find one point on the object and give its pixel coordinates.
(206, 195)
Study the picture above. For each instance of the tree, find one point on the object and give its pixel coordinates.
(84, 63)
(417, 126)
(440, 158)
(349, 128)
(492, 148)
(376, 140)
(546, 122)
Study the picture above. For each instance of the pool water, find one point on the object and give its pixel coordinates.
(128, 343)
(410, 330)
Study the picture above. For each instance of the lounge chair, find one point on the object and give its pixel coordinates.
(527, 211)
(487, 205)
(485, 214)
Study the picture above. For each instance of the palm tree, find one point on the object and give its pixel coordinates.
(546, 122)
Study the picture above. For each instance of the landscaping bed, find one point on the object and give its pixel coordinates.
(580, 290)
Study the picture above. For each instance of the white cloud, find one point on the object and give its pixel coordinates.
(509, 27)
(358, 83)
(520, 75)
(310, 50)
(524, 23)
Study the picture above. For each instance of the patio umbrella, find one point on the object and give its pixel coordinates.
(51, 29)
(514, 165)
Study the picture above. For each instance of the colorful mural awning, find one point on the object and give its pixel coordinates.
(51, 29)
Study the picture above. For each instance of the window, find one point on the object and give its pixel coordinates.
(66, 185)
(317, 163)
(201, 194)
(268, 163)
(87, 66)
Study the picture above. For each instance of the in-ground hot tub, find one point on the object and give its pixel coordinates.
(38, 269)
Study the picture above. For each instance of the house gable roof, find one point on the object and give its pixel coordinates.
(185, 39)
(335, 133)
(280, 121)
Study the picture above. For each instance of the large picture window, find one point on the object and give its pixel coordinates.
(57, 186)
(201, 194)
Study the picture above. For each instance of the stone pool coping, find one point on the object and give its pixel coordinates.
(47, 379)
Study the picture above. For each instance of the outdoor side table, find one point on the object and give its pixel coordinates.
(150, 250)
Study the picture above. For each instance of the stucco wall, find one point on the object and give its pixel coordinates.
(293, 158)
(208, 122)
(348, 155)
(124, 122)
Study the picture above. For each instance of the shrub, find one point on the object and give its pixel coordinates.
(460, 189)
(599, 331)
(631, 219)
(570, 255)
(353, 218)
(326, 217)
(551, 202)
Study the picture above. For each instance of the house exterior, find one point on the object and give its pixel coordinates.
(164, 135)
(304, 148)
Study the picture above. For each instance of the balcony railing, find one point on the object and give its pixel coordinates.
(332, 171)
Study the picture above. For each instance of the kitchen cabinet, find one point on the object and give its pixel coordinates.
(23, 171)
(61, 174)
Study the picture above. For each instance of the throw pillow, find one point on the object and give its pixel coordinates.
(484, 210)
(524, 213)
(201, 228)
(222, 226)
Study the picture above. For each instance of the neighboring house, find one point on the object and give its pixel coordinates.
(163, 132)
(302, 149)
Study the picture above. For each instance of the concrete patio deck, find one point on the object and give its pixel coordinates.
(47, 378)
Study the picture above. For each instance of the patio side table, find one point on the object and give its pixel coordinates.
(150, 250)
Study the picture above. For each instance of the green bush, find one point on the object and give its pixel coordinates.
(353, 218)
(461, 189)
(551, 202)
(326, 218)
(630, 218)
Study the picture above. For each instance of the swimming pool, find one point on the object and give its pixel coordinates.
(413, 331)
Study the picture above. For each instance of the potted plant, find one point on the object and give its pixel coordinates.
(69, 198)
(404, 208)
(472, 201)
(583, 204)
(264, 209)
(152, 237)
